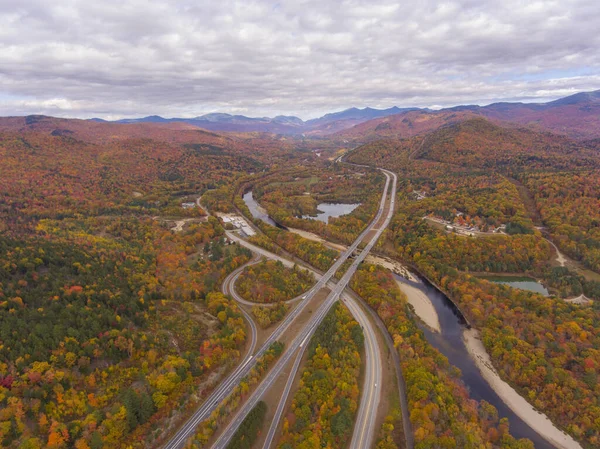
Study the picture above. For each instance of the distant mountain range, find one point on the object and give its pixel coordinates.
(280, 124)
(576, 115)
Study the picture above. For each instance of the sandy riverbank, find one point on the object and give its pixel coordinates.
(419, 300)
(392, 265)
(422, 305)
(536, 420)
(317, 238)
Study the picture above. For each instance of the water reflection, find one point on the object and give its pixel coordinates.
(327, 210)
(256, 210)
(521, 282)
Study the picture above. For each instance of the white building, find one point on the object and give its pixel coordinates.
(247, 231)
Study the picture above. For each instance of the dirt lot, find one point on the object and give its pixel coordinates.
(317, 238)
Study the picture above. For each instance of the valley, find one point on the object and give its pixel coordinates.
(406, 279)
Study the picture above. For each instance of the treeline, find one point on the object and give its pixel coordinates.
(270, 281)
(325, 404)
(269, 315)
(313, 253)
(441, 412)
(248, 431)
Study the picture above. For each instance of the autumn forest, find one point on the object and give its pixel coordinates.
(125, 250)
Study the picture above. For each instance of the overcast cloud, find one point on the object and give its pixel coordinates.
(129, 58)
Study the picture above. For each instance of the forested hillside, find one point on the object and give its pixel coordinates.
(113, 327)
(457, 186)
(112, 322)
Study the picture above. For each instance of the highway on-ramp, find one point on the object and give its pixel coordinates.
(227, 288)
(233, 277)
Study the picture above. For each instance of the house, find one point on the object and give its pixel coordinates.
(188, 205)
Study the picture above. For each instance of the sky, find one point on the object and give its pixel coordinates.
(184, 58)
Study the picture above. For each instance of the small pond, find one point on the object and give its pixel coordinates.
(326, 210)
(521, 282)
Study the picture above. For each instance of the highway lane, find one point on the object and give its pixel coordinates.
(362, 437)
(226, 386)
(370, 396)
(371, 388)
(263, 252)
(406, 424)
(305, 334)
(282, 401)
(227, 288)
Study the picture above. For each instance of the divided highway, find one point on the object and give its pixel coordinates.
(371, 388)
(363, 435)
(225, 388)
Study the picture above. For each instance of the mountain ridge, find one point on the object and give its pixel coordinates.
(284, 124)
(576, 115)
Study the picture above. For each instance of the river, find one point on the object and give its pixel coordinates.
(256, 210)
(450, 343)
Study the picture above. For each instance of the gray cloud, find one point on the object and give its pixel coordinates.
(184, 58)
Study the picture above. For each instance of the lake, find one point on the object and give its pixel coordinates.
(326, 210)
